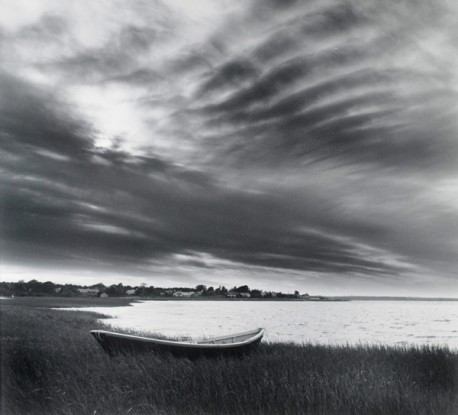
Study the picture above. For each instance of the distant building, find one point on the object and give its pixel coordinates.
(305, 296)
(245, 295)
(89, 291)
(183, 293)
(231, 294)
(104, 295)
(131, 292)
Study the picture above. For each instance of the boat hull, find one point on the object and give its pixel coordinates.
(116, 343)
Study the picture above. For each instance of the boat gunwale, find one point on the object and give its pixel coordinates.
(257, 334)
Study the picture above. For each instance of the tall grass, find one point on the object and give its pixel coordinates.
(51, 365)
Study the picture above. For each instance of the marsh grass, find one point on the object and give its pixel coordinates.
(51, 365)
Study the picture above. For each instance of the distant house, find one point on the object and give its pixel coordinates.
(231, 294)
(104, 295)
(245, 295)
(131, 292)
(183, 293)
(306, 296)
(89, 291)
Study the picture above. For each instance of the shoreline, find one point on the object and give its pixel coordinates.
(91, 301)
(52, 365)
(95, 305)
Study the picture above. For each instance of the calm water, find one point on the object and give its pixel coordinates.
(354, 322)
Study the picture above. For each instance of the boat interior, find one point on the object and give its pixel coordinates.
(235, 338)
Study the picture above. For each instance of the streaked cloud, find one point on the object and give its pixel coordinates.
(309, 144)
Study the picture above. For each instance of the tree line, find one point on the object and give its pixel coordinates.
(48, 288)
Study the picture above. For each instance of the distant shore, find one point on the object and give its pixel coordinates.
(313, 299)
(199, 292)
(392, 298)
(51, 365)
(88, 301)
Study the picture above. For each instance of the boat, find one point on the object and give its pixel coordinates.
(234, 344)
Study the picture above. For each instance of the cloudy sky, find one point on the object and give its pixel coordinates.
(306, 145)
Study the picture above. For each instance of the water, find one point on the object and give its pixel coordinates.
(353, 322)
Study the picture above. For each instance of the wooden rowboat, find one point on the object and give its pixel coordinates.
(234, 344)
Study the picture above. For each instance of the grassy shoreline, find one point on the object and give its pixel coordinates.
(65, 302)
(51, 365)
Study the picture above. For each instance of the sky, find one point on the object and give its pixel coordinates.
(287, 145)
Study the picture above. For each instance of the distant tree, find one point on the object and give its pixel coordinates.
(210, 291)
(201, 287)
(101, 287)
(150, 291)
(243, 289)
(221, 290)
(69, 290)
(296, 294)
(19, 288)
(7, 289)
(268, 294)
(256, 293)
(48, 288)
(33, 287)
(116, 290)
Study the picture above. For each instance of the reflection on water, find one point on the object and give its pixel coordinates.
(354, 322)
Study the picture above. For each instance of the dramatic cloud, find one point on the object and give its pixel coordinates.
(301, 144)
